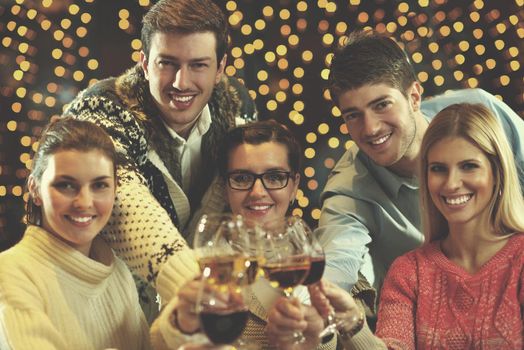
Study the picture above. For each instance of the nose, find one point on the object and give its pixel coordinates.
(83, 199)
(182, 79)
(453, 180)
(258, 188)
(371, 124)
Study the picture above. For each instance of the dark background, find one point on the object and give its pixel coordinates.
(51, 49)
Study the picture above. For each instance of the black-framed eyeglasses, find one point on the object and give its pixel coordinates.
(271, 180)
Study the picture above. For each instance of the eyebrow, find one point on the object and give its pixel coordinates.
(197, 59)
(460, 162)
(71, 178)
(370, 103)
(266, 171)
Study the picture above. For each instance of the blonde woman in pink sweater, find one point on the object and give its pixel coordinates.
(464, 289)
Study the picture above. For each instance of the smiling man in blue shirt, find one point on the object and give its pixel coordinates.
(370, 206)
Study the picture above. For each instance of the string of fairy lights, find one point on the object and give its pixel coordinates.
(51, 49)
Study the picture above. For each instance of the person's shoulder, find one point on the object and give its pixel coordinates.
(350, 169)
(350, 161)
(517, 242)
(15, 265)
(433, 104)
(232, 99)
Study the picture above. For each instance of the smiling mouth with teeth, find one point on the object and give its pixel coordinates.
(259, 207)
(381, 140)
(183, 99)
(82, 220)
(458, 200)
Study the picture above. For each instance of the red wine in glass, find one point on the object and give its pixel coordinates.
(316, 270)
(287, 276)
(223, 327)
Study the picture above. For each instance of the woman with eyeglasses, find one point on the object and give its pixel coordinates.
(260, 164)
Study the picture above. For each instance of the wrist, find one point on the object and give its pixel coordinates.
(355, 326)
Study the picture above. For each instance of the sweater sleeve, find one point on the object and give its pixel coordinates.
(396, 314)
(140, 230)
(364, 340)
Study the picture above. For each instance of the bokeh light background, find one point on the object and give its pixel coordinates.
(51, 49)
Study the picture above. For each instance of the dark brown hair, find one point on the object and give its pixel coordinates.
(66, 134)
(255, 134)
(185, 17)
(369, 58)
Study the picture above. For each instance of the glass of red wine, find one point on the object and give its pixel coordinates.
(286, 261)
(221, 310)
(316, 252)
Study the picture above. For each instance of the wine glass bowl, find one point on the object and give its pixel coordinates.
(316, 252)
(225, 246)
(221, 310)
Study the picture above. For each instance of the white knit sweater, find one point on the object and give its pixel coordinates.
(54, 297)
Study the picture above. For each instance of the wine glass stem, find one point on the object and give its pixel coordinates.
(298, 337)
(331, 325)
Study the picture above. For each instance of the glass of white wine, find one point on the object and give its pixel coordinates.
(226, 248)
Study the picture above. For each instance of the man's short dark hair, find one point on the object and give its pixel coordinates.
(185, 17)
(369, 58)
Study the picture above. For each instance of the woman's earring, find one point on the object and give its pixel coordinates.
(37, 201)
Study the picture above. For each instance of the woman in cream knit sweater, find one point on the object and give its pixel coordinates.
(61, 286)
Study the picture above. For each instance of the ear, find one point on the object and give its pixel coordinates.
(143, 63)
(296, 179)
(33, 190)
(415, 96)
(221, 68)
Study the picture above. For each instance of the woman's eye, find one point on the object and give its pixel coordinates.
(101, 185)
(165, 63)
(437, 168)
(64, 186)
(275, 177)
(242, 178)
(469, 166)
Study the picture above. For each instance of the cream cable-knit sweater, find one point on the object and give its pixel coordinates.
(54, 297)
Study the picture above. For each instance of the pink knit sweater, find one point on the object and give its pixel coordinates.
(428, 302)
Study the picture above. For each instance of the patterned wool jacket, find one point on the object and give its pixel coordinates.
(151, 209)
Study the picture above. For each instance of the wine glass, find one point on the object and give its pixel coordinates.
(226, 245)
(318, 262)
(221, 310)
(286, 258)
(316, 252)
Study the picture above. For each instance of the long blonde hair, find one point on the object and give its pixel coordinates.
(477, 124)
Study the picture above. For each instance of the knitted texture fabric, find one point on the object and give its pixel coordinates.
(151, 210)
(54, 297)
(428, 302)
